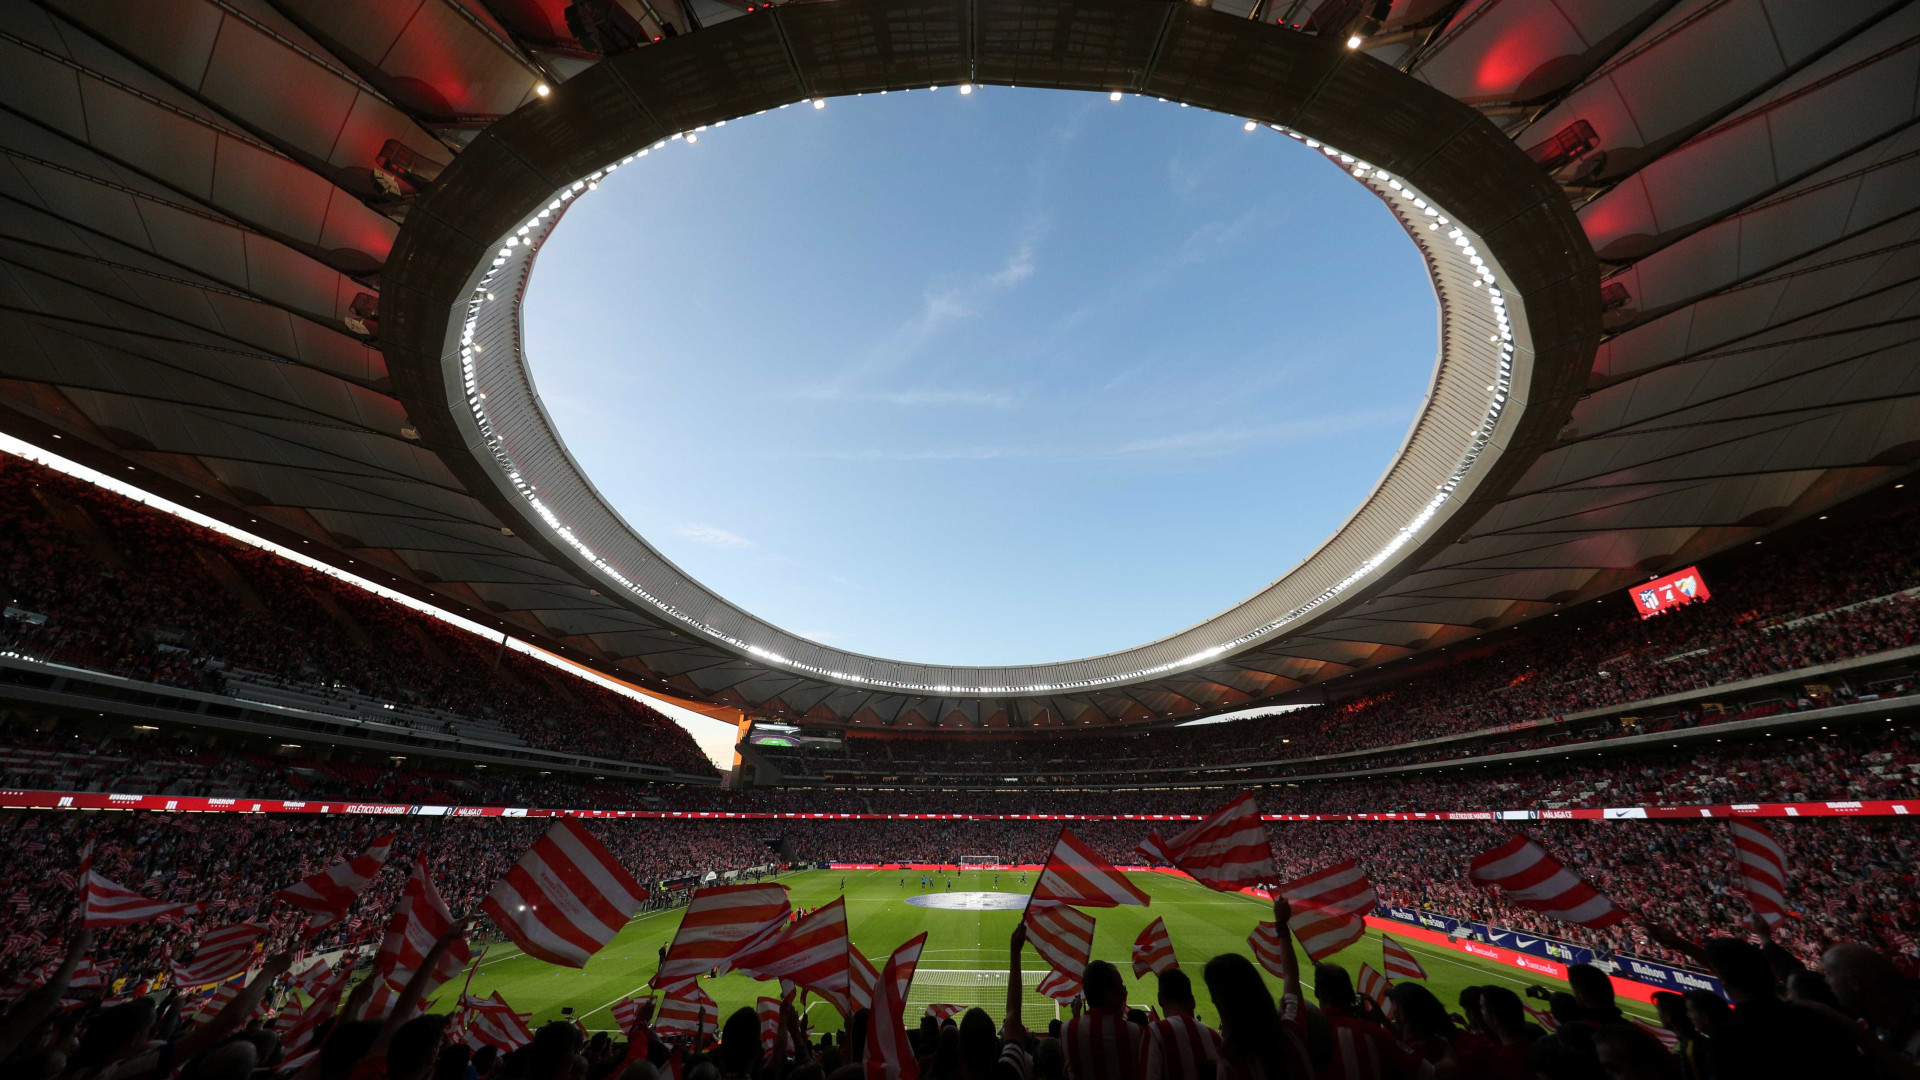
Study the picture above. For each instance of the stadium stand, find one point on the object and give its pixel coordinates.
(101, 583)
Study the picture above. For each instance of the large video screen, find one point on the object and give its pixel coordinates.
(1678, 589)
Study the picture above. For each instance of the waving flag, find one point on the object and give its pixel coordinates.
(221, 997)
(1228, 851)
(887, 1044)
(1667, 1038)
(687, 1010)
(418, 921)
(1153, 950)
(1400, 963)
(1372, 985)
(1076, 874)
(219, 955)
(768, 1010)
(491, 1022)
(861, 975)
(312, 979)
(105, 903)
(329, 893)
(945, 1012)
(717, 924)
(627, 1010)
(811, 952)
(1268, 948)
(1763, 870)
(324, 1005)
(1329, 908)
(1534, 879)
(1059, 985)
(1062, 935)
(565, 898)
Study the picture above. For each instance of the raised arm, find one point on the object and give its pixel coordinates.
(1016, 988)
(202, 1037)
(1289, 963)
(1668, 937)
(35, 1006)
(416, 988)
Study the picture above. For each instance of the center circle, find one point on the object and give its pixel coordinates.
(970, 901)
(1004, 378)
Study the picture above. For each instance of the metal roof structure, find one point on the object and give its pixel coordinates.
(234, 234)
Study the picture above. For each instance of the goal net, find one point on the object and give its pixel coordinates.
(983, 860)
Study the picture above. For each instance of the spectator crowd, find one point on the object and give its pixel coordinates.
(97, 581)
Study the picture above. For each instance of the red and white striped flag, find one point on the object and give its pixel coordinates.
(1763, 870)
(312, 979)
(1076, 874)
(219, 955)
(1372, 985)
(627, 1010)
(768, 1010)
(565, 898)
(1667, 1038)
(418, 921)
(221, 997)
(1329, 908)
(1228, 851)
(492, 1022)
(88, 976)
(1545, 1019)
(811, 952)
(1153, 950)
(1400, 963)
(687, 1010)
(1062, 935)
(719, 923)
(322, 1008)
(105, 903)
(887, 1045)
(1534, 879)
(1268, 948)
(1059, 985)
(861, 975)
(329, 893)
(945, 1012)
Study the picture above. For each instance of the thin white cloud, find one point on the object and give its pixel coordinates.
(1173, 445)
(714, 537)
(913, 397)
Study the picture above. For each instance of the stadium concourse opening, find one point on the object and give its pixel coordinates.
(337, 708)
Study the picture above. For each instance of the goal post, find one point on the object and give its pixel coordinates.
(983, 860)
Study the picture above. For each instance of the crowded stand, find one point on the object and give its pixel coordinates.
(96, 581)
(1851, 882)
(1873, 760)
(1827, 591)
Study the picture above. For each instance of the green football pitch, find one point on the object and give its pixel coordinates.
(966, 953)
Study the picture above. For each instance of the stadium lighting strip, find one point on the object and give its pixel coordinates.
(1484, 309)
(106, 481)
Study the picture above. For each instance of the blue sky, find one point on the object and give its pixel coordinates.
(1003, 378)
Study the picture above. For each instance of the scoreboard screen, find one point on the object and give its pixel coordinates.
(1678, 589)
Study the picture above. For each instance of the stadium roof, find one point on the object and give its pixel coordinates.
(237, 239)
